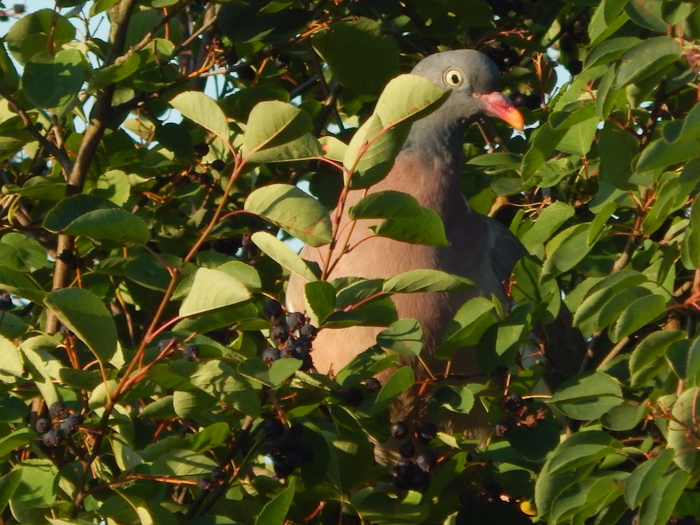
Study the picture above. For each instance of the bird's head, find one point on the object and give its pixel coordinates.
(475, 84)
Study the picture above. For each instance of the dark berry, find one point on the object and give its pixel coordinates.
(399, 430)
(58, 410)
(501, 428)
(246, 73)
(42, 425)
(201, 149)
(492, 488)
(420, 481)
(270, 355)
(204, 484)
(282, 468)
(295, 458)
(288, 350)
(218, 474)
(513, 402)
(302, 343)
(190, 352)
(517, 6)
(66, 256)
(295, 321)
(279, 334)
(307, 363)
(352, 396)
(163, 343)
(297, 429)
(307, 454)
(427, 460)
(405, 469)
(218, 165)
(500, 8)
(19, 8)
(372, 384)
(272, 309)
(228, 246)
(534, 100)
(276, 448)
(519, 100)
(567, 43)
(205, 179)
(273, 428)
(309, 331)
(71, 424)
(574, 67)
(52, 438)
(426, 433)
(6, 301)
(282, 61)
(467, 499)
(407, 449)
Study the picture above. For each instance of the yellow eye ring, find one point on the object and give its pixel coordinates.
(454, 77)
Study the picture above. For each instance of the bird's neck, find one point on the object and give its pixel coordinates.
(433, 140)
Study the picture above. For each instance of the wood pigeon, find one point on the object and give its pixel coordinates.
(481, 249)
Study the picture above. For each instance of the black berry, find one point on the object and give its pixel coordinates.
(352, 396)
(427, 460)
(426, 433)
(307, 362)
(272, 309)
(201, 149)
(513, 403)
(163, 343)
(58, 410)
(218, 474)
(204, 484)
(273, 428)
(218, 165)
(190, 352)
(574, 67)
(282, 468)
(71, 424)
(52, 438)
(6, 301)
(399, 430)
(519, 100)
(270, 355)
(309, 331)
(407, 449)
(295, 321)
(372, 384)
(42, 425)
(501, 428)
(279, 334)
(467, 499)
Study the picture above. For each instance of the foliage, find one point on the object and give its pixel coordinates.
(139, 374)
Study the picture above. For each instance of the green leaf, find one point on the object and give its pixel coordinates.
(36, 32)
(283, 255)
(11, 362)
(645, 356)
(386, 205)
(399, 382)
(426, 229)
(283, 369)
(9, 79)
(455, 399)
(114, 186)
(638, 314)
(279, 131)
(658, 507)
(63, 72)
(16, 440)
(114, 73)
(320, 300)
(39, 484)
(202, 110)
(8, 485)
(116, 225)
(660, 154)
(618, 148)
(192, 403)
(609, 50)
(290, 208)
(579, 136)
(567, 249)
(405, 337)
(549, 221)
(86, 316)
(72, 208)
(408, 98)
(647, 13)
(275, 511)
(150, 271)
(680, 429)
(358, 53)
(684, 129)
(212, 290)
(22, 253)
(182, 463)
(20, 284)
(162, 408)
(690, 249)
(645, 478)
(587, 396)
(469, 324)
(646, 58)
(426, 281)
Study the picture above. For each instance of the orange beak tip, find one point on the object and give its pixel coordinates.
(498, 105)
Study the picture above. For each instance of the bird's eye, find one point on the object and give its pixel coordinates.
(454, 78)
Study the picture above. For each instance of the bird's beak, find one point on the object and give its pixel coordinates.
(498, 105)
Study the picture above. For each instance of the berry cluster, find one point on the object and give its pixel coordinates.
(413, 469)
(502, 8)
(217, 476)
(190, 352)
(531, 101)
(62, 423)
(292, 334)
(519, 414)
(284, 446)
(503, 56)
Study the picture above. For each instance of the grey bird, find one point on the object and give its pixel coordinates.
(481, 249)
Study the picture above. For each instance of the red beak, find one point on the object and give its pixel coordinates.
(498, 105)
